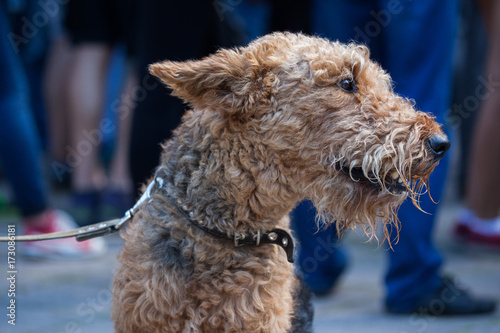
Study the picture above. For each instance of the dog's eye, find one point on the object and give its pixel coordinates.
(347, 85)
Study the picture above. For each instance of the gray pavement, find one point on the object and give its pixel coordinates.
(74, 297)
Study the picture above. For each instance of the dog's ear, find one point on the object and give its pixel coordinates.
(228, 80)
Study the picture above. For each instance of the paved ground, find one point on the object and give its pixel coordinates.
(64, 297)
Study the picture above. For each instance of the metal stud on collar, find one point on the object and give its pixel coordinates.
(273, 236)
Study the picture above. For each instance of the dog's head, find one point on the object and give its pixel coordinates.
(326, 114)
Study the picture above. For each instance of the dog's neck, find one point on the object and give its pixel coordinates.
(226, 184)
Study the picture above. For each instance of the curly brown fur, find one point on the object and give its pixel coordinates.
(270, 126)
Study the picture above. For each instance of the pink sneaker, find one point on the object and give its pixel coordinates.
(472, 228)
(64, 248)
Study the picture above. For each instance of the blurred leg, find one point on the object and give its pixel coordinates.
(422, 71)
(119, 175)
(86, 89)
(321, 259)
(483, 185)
(55, 80)
(20, 153)
(119, 195)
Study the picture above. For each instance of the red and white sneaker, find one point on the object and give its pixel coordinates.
(473, 228)
(64, 248)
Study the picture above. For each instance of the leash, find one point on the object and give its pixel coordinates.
(276, 236)
(87, 232)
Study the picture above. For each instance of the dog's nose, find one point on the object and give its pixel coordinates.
(438, 145)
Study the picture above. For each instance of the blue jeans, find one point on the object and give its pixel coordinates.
(20, 153)
(413, 41)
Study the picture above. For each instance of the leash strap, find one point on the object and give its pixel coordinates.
(87, 232)
(81, 234)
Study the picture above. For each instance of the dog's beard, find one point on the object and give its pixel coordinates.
(367, 190)
(350, 204)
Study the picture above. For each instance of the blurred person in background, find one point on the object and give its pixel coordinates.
(413, 41)
(391, 29)
(20, 157)
(468, 86)
(173, 30)
(480, 219)
(94, 28)
(55, 81)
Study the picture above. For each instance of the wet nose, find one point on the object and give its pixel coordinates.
(438, 145)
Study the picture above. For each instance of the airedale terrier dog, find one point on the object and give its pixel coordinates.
(286, 118)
